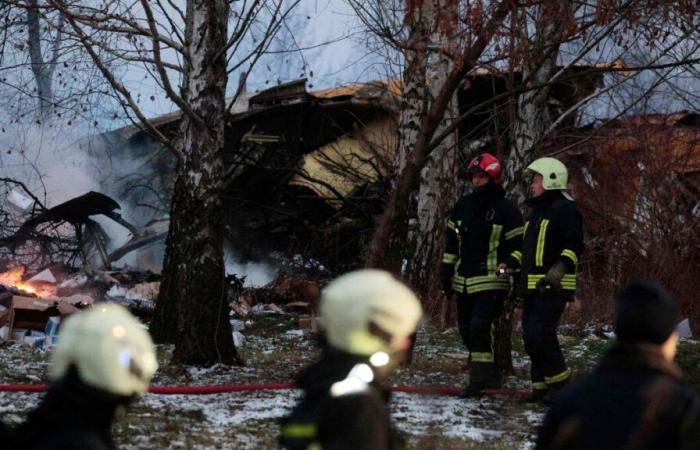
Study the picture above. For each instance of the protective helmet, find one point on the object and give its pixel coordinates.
(368, 311)
(553, 171)
(110, 349)
(488, 164)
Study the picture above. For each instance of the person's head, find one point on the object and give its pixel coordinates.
(646, 313)
(370, 313)
(109, 349)
(548, 174)
(484, 169)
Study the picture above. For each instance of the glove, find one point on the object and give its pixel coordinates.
(504, 274)
(552, 278)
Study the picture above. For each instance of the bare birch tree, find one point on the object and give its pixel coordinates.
(189, 54)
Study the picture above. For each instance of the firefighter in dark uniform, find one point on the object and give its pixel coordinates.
(484, 229)
(367, 318)
(552, 246)
(103, 361)
(635, 398)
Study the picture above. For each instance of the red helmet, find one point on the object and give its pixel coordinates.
(488, 164)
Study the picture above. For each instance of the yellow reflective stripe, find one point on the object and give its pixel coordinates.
(458, 283)
(514, 232)
(568, 282)
(486, 283)
(300, 430)
(451, 225)
(518, 255)
(482, 279)
(459, 252)
(482, 357)
(492, 258)
(570, 254)
(449, 258)
(525, 226)
(558, 378)
(487, 287)
(539, 253)
(538, 385)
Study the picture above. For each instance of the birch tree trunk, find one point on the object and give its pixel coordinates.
(389, 239)
(191, 310)
(438, 178)
(41, 69)
(532, 113)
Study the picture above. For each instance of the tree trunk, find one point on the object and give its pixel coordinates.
(532, 118)
(191, 311)
(438, 178)
(43, 71)
(389, 240)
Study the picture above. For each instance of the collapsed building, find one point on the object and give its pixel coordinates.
(308, 171)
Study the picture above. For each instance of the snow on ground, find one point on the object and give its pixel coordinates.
(274, 351)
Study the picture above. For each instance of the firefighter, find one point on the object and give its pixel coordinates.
(483, 231)
(366, 318)
(635, 398)
(552, 246)
(103, 360)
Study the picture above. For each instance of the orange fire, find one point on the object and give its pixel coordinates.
(13, 278)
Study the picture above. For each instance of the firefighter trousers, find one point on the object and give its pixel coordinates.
(541, 314)
(476, 314)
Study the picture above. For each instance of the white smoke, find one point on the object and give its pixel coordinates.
(256, 273)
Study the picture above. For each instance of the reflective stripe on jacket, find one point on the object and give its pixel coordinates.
(483, 230)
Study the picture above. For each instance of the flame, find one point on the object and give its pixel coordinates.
(13, 278)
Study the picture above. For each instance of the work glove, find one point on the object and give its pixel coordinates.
(503, 272)
(552, 278)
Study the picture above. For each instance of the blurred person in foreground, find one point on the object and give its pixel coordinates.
(635, 398)
(103, 360)
(366, 318)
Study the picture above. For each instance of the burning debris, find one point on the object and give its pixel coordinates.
(67, 232)
(30, 309)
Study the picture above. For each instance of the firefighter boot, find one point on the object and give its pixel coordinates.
(482, 376)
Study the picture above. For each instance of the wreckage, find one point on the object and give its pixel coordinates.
(67, 233)
(308, 171)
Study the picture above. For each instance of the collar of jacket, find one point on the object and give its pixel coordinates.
(490, 190)
(639, 356)
(544, 200)
(333, 365)
(71, 403)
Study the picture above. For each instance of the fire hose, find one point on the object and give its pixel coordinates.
(224, 388)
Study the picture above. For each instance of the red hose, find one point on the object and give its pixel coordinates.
(219, 389)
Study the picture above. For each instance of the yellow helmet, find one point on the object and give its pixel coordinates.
(554, 173)
(368, 311)
(110, 349)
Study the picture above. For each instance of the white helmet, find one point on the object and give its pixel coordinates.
(368, 311)
(554, 173)
(110, 349)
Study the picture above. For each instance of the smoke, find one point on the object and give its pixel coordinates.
(256, 273)
(46, 157)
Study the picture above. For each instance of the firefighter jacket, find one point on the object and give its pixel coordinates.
(72, 415)
(634, 399)
(483, 230)
(553, 232)
(338, 412)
